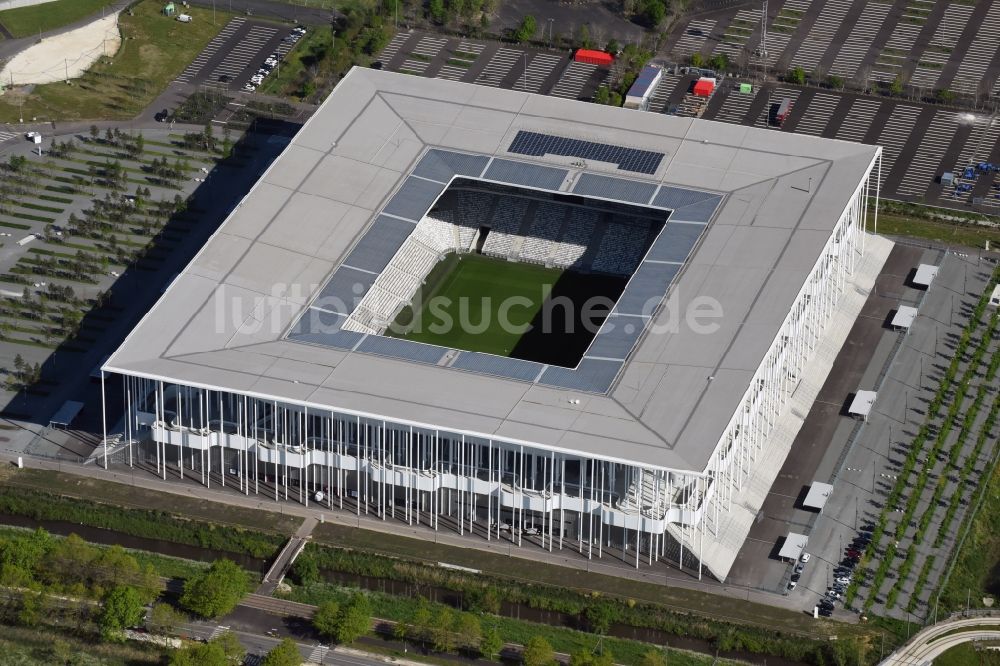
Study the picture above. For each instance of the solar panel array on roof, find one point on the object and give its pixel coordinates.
(592, 184)
(646, 288)
(531, 175)
(512, 368)
(344, 290)
(592, 375)
(675, 242)
(441, 165)
(406, 350)
(414, 198)
(377, 247)
(627, 159)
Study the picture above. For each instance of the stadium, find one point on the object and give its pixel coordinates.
(444, 304)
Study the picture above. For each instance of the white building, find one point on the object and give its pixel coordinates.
(657, 445)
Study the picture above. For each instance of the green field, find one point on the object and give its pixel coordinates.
(472, 289)
(466, 297)
(156, 50)
(25, 21)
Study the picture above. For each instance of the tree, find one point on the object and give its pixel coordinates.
(305, 570)
(216, 591)
(233, 650)
(163, 619)
(442, 639)
(720, 61)
(944, 96)
(94, 132)
(491, 643)
(797, 76)
(896, 86)
(327, 619)
(537, 652)
(469, 630)
(200, 654)
(613, 47)
(835, 82)
(437, 11)
(697, 60)
(599, 617)
(602, 96)
(122, 608)
(422, 621)
(285, 653)
(585, 657)
(653, 12)
(140, 144)
(583, 36)
(526, 30)
(355, 620)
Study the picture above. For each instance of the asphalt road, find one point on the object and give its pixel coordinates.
(924, 647)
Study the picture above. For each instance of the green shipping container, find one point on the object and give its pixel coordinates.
(746, 88)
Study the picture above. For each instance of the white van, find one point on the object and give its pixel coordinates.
(184, 18)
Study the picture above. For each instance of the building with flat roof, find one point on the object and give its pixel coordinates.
(267, 358)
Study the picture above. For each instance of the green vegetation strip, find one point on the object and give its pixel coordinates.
(138, 522)
(28, 21)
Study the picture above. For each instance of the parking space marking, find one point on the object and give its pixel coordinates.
(921, 170)
(248, 48)
(460, 61)
(423, 54)
(6, 136)
(982, 50)
(573, 80)
(817, 115)
(889, 63)
(502, 62)
(895, 134)
(858, 119)
(661, 94)
(855, 47)
(694, 36)
(816, 43)
(776, 96)
(738, 32)
(538, 70)
(392, 48)
(210, 49)
(783, 27)
(946, 36)
(735, 107)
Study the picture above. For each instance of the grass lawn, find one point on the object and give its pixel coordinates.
(288, 79)
(954, 233)
(108, 492)
(967, 655)
(977, 566)
(155, 51)
(464, 299)
(25, 21)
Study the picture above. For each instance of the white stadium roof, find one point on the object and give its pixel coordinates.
(774, 200)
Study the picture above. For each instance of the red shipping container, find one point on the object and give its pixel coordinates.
(592, 57)
(704, 87)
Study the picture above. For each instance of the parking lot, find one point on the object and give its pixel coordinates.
(492, 64)
(234, 56)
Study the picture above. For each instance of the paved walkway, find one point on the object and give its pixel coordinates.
(932, 641)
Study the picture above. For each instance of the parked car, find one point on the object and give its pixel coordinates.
(805, 557)
(791, 584)
(844, 580)
(833, 594)
(799, 567)
(796, 577)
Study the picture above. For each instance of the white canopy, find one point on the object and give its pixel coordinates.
(862, 404)
(794, 545)
(817, 496)
(925, 275)
(904, 317)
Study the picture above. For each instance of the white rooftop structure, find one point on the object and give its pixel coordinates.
(904, 316)
(862, 404)
(763, 228)
(995, 296)
(817, 496)
(925, 275)
(794, 544)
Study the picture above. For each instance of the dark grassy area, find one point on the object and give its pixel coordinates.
(494, 306)
(967, 654)
(25, 21)
(120, 494)
(526, 570)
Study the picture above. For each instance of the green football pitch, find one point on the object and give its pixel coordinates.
(494, 306)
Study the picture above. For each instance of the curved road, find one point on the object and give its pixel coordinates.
(931, 642)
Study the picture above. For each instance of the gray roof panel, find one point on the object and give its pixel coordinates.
(414, 198)
(591, 184)
(442, 165)
(522, 173)
(377, 247)
(406, 350)
(675, 242)
(678, 197)
(512, 368)
(646, 288)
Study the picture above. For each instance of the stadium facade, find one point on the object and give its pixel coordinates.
(263, 366)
